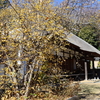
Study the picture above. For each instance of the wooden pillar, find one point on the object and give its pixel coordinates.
(86, 71)
(93, 68)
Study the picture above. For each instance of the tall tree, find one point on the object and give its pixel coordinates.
(89, 34)
(31, 34)
(82, 18)
(77, 13)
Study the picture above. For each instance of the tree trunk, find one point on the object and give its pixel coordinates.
(29, 81)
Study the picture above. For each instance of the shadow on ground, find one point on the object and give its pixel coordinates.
(89, 91)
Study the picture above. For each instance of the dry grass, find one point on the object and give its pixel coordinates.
(71, 90)
(49, 98)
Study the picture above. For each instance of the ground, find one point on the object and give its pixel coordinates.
(90, 90)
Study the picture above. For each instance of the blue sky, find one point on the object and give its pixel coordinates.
(58, 1)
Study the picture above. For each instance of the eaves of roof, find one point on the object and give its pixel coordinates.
(83, 45)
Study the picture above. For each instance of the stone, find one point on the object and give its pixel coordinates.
(73, 98)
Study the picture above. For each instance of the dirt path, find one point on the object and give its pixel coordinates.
(90, 90)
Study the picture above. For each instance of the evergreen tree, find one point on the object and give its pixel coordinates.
(89, 33)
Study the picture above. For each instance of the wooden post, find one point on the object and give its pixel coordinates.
(86, 72)
(93, 68)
